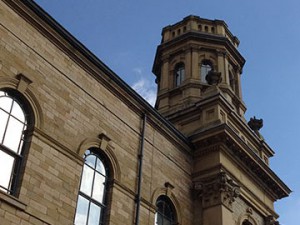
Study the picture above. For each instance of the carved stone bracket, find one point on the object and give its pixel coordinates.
(216, 190)
(104, 140)
(270, 220)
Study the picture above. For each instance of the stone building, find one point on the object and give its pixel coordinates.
(79, 146)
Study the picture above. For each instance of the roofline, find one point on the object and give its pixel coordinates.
(45, 17)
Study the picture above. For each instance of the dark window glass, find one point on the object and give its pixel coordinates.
(206, 66)
(179, 74)
(13, 123)
(246, 222)
(92, 193)
(165, 214)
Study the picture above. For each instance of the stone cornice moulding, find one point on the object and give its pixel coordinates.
(61, 38)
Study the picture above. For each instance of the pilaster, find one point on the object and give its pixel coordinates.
(216, 195)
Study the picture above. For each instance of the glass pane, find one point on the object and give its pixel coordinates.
(205, 68)
(94, 216)
(100, 167)
(81, 211)
(159, 219)
(167, 211)
(5, 103)
(90, 160)
(3, 121)
(87, 152)
(98, 189)
(20, 147)
(6, 168)
(87, 180)
(13, 134)
(166, 222)
(18, 112)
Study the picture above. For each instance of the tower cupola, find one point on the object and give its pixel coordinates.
(190, 50)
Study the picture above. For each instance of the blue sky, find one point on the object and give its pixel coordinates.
(125, 34)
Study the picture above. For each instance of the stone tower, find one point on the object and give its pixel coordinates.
(198, 69)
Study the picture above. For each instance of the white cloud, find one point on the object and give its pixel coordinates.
(138, 70)
(146, 89)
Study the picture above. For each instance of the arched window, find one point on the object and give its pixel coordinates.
(14, 121)
(92, 197)
(206, 66)
(165, 214)
(179, 74)
(246, 222)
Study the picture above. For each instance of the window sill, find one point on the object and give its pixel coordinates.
(11, 200)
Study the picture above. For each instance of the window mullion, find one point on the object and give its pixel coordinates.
(15, 175)
(10, 152)
(5, 129)
(88, 214)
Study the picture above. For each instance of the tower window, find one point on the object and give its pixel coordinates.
(246, 222)
(165, 214)
(92, 194)
(179, 74)
(206, 66)
(13, 124)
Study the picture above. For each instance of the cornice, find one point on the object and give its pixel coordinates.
(195, 35)
(222, 135)
(67, 43)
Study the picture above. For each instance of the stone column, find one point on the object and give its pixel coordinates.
(165, 83)
(223, 66)
(188, 63)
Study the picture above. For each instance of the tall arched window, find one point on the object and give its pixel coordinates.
(92, 195)
(179, 74)
(206, 66)
(165, 214)
(14, 121)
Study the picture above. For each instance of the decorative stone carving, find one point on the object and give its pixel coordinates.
(255, 124)
(219, 189)
(270, 220)
(213, 77)
(249, 210)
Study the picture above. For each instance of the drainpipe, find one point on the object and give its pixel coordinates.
(140, 170)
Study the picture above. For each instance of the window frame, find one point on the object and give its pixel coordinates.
(13, 185)
(179, 74)
(205, 67)
(161, 212)
(91, 200)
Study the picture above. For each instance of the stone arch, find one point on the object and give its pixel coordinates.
(103, 144)
(211, 56)
(167, 191)
(22, 85)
